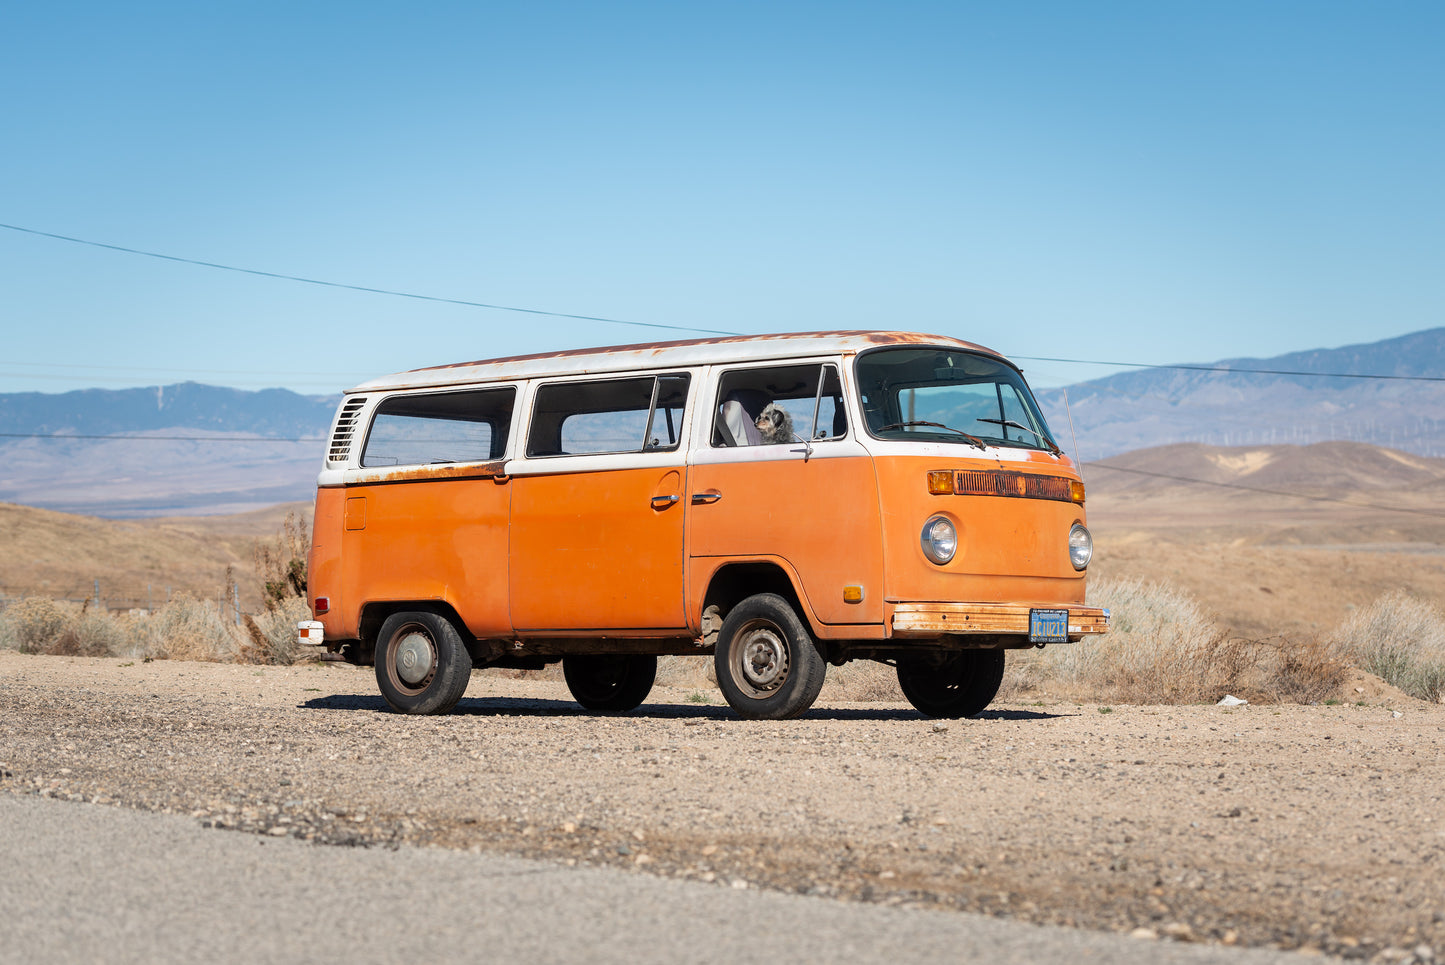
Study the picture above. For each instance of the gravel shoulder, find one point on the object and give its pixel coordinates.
(1297, 827)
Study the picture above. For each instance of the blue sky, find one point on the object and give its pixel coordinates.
(1150, 182)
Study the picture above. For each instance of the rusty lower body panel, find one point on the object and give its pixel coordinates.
(932, 620)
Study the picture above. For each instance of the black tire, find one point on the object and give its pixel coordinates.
(768, 665)
(959, 684)
(422, 666)
(614, 682)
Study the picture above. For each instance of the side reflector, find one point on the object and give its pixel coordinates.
(852, 594)
(323, 604)
(940, 482)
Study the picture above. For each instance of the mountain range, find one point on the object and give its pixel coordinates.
(1299, 398)
(197, 449)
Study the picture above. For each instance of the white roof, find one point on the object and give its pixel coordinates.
(680, 354)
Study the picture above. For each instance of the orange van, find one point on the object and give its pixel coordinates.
(779, 502)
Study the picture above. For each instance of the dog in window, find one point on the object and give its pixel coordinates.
(775, 425)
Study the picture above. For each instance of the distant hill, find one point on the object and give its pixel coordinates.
(1155, 407)
(190, 405)
(1324, 469)
(260, 448)
(272, 440)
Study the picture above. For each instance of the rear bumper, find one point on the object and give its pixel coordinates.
(1003, 619)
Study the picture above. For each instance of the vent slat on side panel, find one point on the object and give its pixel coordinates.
(345, 428)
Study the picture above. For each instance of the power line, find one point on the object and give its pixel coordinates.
(1235, 371)
(676, 328)
(62, 436)
(363, 288)
(149, 368)
(1271, 492)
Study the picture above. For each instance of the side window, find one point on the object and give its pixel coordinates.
(417, 430)
(614, 415)
(783, 404)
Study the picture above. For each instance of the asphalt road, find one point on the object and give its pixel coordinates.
(87, 883)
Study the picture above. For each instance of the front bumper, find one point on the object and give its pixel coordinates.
(1002, 619)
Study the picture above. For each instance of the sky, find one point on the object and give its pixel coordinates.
(1145, 182)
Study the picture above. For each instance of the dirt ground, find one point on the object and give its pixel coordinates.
(1320, 828)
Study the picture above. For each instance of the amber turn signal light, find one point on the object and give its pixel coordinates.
(940, 482)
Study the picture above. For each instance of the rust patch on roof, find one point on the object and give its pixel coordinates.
(653, 348)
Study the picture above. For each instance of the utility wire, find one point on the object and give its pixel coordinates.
(62, 436)
(676, 328)
(1237, 371)
(363, 288)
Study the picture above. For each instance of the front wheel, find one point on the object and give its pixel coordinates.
(959, 684)
(615, 682)
(768, 667)
(422, 666)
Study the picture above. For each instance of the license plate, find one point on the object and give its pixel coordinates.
(1048, 626)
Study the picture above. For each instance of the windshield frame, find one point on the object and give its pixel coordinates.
(998, 436)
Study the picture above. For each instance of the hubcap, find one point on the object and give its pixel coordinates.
(764, 659)
(414, 658)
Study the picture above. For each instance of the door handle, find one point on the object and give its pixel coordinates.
(662, 502)
(699, 499)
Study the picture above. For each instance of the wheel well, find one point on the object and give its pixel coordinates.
(373, 615)
(737, 581)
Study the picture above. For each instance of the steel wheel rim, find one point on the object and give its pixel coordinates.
(760, 660)
(411, 658)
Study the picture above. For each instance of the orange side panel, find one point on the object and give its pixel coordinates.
(598, 550)
(442, 539)
(323, 567)
(821, 516)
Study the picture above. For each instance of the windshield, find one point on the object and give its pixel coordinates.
(944, 395)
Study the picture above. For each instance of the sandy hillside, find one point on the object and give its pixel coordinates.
(1273, 540)
(62, 555)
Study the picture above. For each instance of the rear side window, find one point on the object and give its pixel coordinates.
(444, 427)
(613, 415)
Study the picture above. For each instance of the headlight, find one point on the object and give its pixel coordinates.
(1081, 546)
(940, 540)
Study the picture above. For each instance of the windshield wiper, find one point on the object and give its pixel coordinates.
(973, 440)
(1019, 425)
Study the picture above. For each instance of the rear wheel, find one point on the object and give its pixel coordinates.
(422, 666)
(613, 682)
(768, 666)
(958, 684)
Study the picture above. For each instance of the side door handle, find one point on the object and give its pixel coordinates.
(662, 502)
(699, 499)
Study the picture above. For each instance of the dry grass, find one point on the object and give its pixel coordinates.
(686, 673)
(1163, 649)
(863, 680)
(281, 563)
(187, 629)
(183, 629)
(1401, 640)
